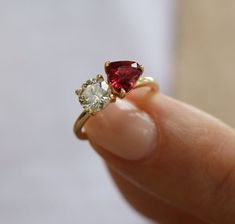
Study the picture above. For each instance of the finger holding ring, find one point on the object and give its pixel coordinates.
(97, 93)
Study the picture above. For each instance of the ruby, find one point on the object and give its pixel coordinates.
(123, 74)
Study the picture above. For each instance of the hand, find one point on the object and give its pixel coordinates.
(172, 162)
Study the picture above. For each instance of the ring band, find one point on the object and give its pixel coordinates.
(96, 94)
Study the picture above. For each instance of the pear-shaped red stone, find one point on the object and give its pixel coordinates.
(123, 74)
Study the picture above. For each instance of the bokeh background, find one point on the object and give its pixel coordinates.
(49, 48)
(205, 56)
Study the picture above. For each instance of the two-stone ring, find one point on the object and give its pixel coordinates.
(96, 94)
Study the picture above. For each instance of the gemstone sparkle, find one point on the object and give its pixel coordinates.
(123, 74)
(95, 95)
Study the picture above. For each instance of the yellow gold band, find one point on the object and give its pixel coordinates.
(85, 115)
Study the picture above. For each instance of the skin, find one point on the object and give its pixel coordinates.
(182, 171)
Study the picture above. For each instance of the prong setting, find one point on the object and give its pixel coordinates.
(78, 91)
(106, 64)
(123, 75)
(99, 78)
(122, 93)
(95, 94)
(113, 98)
(142, 68)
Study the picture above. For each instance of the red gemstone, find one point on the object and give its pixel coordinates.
(123, 74)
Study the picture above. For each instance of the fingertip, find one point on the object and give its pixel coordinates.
(124, 130)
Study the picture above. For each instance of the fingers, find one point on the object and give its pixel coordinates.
(151, 206)
(171, 150)
(124, 130)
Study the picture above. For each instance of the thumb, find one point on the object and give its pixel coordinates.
(171, 150)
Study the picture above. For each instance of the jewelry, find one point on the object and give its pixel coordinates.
(96, 94)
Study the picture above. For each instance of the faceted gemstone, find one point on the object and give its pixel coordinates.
(123, 74)
(95, 95)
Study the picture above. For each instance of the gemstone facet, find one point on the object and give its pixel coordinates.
(123, 74)
(95, 95)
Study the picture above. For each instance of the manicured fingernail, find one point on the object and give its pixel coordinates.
(123, 130)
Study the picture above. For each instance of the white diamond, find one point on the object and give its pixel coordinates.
(95, 96)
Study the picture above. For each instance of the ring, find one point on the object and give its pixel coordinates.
(96, 93)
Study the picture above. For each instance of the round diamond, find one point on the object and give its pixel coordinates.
(95, 95)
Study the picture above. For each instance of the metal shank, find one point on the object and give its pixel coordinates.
(82, 119)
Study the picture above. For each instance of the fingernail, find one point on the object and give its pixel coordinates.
(123, 130)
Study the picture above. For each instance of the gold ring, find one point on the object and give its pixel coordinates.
(96, 94)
